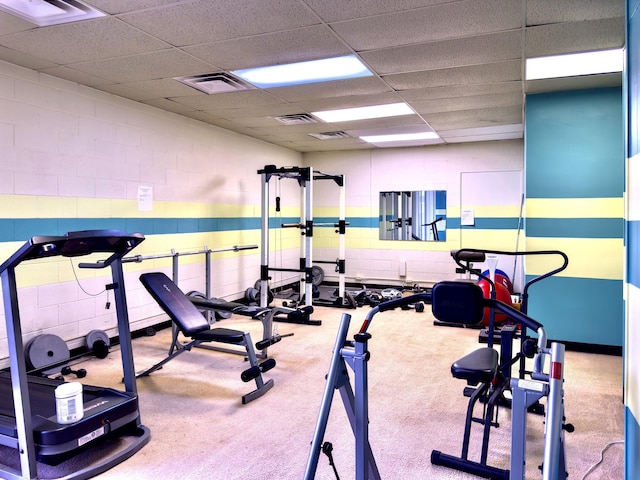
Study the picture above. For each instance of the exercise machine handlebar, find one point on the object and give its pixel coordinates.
(519, 317)
(478, 255)
(513, 313)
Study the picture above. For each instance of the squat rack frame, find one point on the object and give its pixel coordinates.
(305, 177)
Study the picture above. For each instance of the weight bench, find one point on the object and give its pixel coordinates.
(192, 324)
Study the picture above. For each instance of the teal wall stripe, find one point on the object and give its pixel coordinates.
(497, 223)
(565, 305)
(575, 144)
(575, 227)
(24, 228)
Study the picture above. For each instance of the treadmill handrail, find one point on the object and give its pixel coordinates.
(75, 244)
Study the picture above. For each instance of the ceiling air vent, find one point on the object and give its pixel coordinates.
(330, 135)
(296, 119)
(211, 83)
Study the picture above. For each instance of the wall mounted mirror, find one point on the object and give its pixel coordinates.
(413, 215)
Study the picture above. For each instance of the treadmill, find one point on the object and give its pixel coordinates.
(27, 402)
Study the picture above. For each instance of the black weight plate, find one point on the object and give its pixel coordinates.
(220, 314)
(46, 349)
(98, 343)
(317, 275)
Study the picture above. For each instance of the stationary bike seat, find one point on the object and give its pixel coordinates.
(479, 366)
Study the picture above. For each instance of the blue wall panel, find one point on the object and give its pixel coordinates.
(573, 136)
(597, 320)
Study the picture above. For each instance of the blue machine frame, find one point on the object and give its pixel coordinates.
(355, 355)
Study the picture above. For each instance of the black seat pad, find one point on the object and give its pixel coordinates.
(222, 335)
(478, 366)
(233, 307)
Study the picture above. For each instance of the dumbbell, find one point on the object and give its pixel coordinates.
(67, 370)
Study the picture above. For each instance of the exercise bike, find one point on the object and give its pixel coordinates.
(487, 372)
(454, 302)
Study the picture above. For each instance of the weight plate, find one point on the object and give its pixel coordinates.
(317, 275)
(251, 295)
(196, 294)
(98, 343)
(45, 349)
(220, 314)
(391, 293)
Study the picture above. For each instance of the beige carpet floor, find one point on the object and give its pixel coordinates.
(200, 429)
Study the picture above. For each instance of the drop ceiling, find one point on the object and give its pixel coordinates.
(458, 64)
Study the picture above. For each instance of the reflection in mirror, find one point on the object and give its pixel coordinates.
(416, 215)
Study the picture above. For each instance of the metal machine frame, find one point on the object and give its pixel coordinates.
(305, 177)
(455, 302)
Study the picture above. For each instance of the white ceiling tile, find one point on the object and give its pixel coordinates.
(485, 117)
(469, 75)
(482, 138)
(331, 90)
(440, 22)
(24, 59)
(472, 102)
(75, 76)
(242, 99)
(11, 24)
(335, 10)
(415, 128)
(491, 48)
(121, 6)
(333, 103)
(574, 37)
(168, 105)
(493, 130)
(148, 66)
(82, 41)
(301, 44)
(558, 11)
(206, 21)
(457, 91)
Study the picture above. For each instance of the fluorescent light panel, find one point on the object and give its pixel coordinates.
(400, 137)
(49, 12)
(299, 73)
(587, 63)
(363, 113)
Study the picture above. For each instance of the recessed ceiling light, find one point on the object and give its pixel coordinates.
(400, 137)
(574, 64)
(313, 71)
(50, 12)
(362, 113)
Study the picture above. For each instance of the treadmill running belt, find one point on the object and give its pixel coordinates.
(105, 410)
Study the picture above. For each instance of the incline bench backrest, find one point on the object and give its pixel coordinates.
(175, 303)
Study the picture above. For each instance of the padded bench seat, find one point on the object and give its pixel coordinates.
(222, 335)
(479, 366)
(233, 307)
